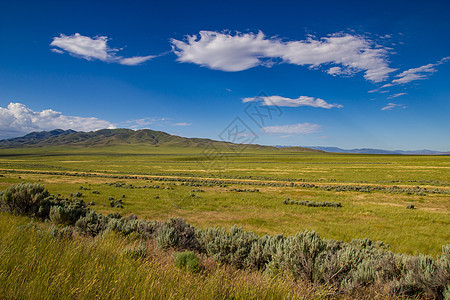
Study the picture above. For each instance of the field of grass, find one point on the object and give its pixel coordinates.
(186, 183)
(35, 265)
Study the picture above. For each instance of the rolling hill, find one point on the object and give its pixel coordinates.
(122, 136)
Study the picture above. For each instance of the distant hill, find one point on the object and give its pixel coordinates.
(122, 136)
(103, 137)
(110, 137)
(379, 151)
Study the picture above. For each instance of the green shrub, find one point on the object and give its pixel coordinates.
(24, 198)
(116, 203)
(313, 203)
(176, 233)
(92, 224)
(114, 215)
(166, 237)
(64, 233)
(231, 247)
(262, 251)
(125, 226)
(446, 292)
(187, 260)
(67, 212)
(298, 254)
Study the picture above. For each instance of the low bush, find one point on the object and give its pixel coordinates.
(24, 198)
(115, 203)
(64, 233)
(67, 212)
(187, 260)
(92, 224)
(176, 233)
(313, 203)
(231, 247)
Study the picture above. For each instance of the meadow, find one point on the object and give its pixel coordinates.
(113, 222)
(249, 189)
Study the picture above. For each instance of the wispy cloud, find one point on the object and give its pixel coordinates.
(182, 124)
(301, 128)
(57, 51)
(288, 102)
(397, 95)
(143, 122)
(135, 60)
(391, 106)
(223, 51)
(93, 48)
(17, 119)
(414, 74)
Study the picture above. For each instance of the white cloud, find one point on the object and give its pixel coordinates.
(182, 124)
(143, 122)
(301, 128)
(335, 71)
(17, 119)
(391, 106)
(57, 51)
(222, 51)
(93, 48)
(397, 95)
(135, 60)
(415, 74)
(419, 73)
(288, 102)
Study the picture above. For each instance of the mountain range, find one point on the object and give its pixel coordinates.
(379, 151)
(110, 137)
(122, 136)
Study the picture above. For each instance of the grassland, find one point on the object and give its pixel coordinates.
(34, 265)
(166, 181)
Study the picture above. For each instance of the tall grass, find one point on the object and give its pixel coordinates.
(304, 257)
(35, 265)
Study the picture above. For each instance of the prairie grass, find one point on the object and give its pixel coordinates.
(35, 265)
(373, 215)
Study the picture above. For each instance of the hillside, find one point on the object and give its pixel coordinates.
(122, 136)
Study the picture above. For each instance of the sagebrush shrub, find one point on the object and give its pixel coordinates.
(166, 237)
(116, 203)
(231, 247)
(67, 212)
(262, 251)
(298, 254)
(176, 233)
(24, 198)
(92, 224)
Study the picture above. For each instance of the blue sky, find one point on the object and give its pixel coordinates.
(350, 74)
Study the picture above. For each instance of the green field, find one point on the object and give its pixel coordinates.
(184, 182)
